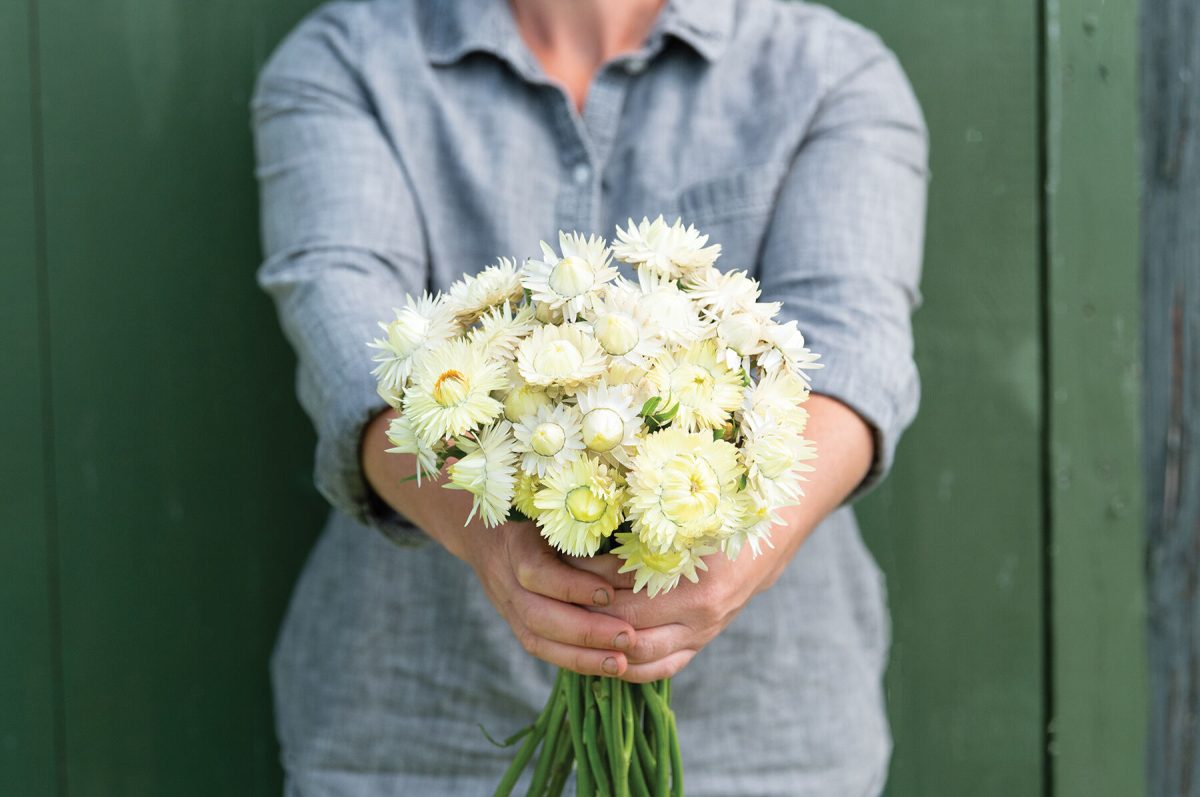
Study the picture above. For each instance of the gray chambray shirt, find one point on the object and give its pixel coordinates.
(402, 143)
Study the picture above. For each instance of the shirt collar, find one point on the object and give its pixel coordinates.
(453, 28)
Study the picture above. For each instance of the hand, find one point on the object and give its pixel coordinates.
(541, 597)
(673, 627)
(543, 600)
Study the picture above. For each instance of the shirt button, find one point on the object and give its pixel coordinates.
(581, 174)
(635, 66)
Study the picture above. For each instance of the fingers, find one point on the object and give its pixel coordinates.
(571, 625)
(665, 667)
(545, 574)
(605, 566)
(582, 660)
(662, 641)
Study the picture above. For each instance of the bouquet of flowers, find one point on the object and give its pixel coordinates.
(658, 418)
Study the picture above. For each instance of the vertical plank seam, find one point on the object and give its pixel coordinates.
(1044, 14)
(51, 493)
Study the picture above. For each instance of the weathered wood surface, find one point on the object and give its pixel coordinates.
(1097, 700)
(1171, 415)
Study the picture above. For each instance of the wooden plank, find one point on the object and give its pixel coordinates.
(183, 464)
(957, 528)
(28, 762)
(1096, 539)
(1170, 97)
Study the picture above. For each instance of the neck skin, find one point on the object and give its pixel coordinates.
(572, 39)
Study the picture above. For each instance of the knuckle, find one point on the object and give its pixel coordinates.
(524, 572)
(528, 640)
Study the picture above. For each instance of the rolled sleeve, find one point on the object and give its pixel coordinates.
(342, 243)
(843, 251)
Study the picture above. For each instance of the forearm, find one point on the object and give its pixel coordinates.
(845, 447)
(437, 512)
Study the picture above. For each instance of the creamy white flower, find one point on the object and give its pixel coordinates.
(780, 395)
(706, 389)
(450, 393)
(721, 293)
(549, 438)
(659, 571)
(419, 326)
(776, 458)
(487, 471)
(567, 283)
(475, 294)
(579, 506)
(671, 252)
(624, 326)
(676, 316)
(404, 440)
(786, 349)
(500, 331)
(524, 490)
(753, 525)
(566, 357)
(610, 421)
(682, 487)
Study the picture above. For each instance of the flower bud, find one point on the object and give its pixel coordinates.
(584, 505)
(548, 439)
(524, 401)
(450, 388)
(616, 333)
(558, 359)
(603, 430)
(571, 277)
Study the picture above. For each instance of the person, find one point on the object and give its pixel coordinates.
(403, 143)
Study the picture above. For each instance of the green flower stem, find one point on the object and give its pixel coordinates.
(602, 689)
(513, 774)
(676, 755)
(637, 779)
(575, 701)
(592, 742)
(560, 768)
(553, 728)
(654, 705)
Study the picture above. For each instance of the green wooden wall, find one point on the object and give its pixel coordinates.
(155, 491)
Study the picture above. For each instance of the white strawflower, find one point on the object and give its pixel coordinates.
(404, 440)
(487, 471)
(671, 252)
(523, 398)
(776, 458)
(676, 316)
(780, 395)
(419, 326)
(659, 571)
(753, 525)
(579, 506)
(701, 382)
(610, 421)
(475, 294)
(549, 438)
(566, 357)
(624, 326)
(500, 331)
(787, 350)
(524, 490)
(567, 283)
(682, 488)
(450, 393)
(721, 293)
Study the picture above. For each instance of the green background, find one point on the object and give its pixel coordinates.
(155, 489)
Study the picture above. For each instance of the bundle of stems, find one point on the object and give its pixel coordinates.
(620, 737)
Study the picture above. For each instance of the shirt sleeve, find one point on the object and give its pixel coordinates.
(843, 250)
(342, 243)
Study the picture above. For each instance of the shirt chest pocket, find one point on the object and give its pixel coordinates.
(732, 209)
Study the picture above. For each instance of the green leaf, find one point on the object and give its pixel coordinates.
(648, 407)
(742, 482)
(510, 741)
(664, 418)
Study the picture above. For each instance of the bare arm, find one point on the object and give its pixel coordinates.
(542, 598)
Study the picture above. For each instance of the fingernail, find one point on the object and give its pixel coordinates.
(600, 597)
(621, 641)
(609, 665)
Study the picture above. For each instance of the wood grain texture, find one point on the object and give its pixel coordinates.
(28, 715)
(1097, 605)
(184, 491)
(957, 528)
(1170, 112)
